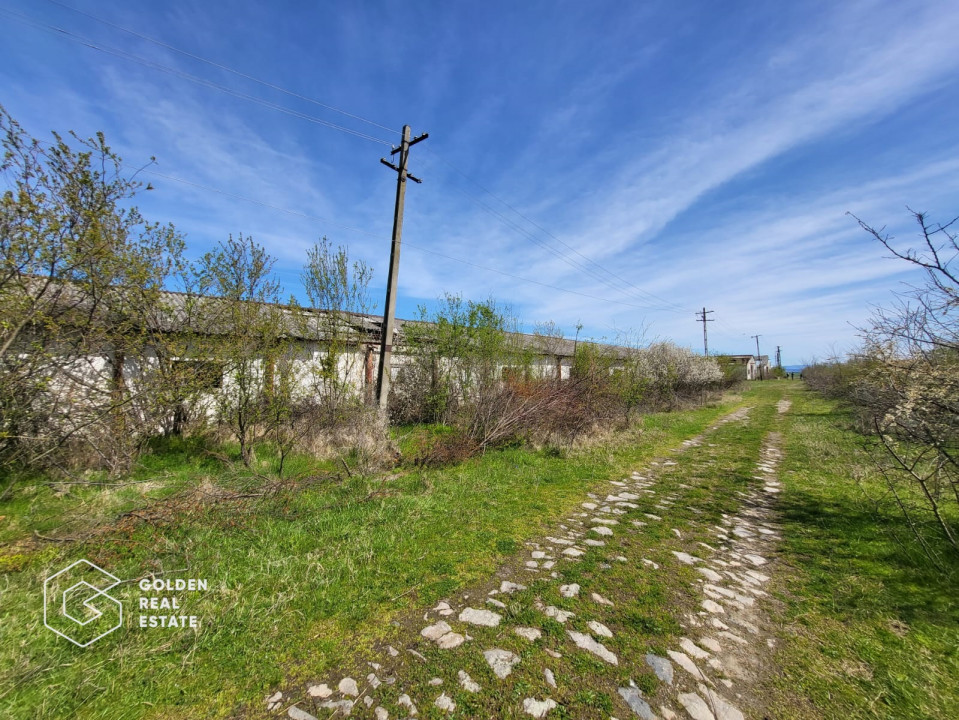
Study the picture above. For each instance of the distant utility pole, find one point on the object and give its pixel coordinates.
(758, 362)
(779, 359)
(701, 317)
(389, 314)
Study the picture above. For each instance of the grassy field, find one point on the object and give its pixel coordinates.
(310, 578)
(871, 630)
(299, 580)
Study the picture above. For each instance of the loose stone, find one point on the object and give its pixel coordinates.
(550, 678)
(634, 699)
(696, 706)
(569, 591)
(348, 686)
(662, 667)
(467, 682)
(501, 661)
(443, 702)
(602, 530)
(594, 543)
(721, 590)
(320, 691)
(435, 682)
(435, 632)
(600, 629)
(587, 643)
(722, 708)
(690, 648)
(273, 701)
(573, 552)
(510, 587)
(596, 597)
(296, 714)
(538, 708)
(686, 557)
(713, 607)
(734, 637)
(450, 641)
(654, 566)
(531, 634)
(486, 618)
(381, 713)
(406, 702)
(344, 707)
(710, 644)
(710, 575)
(686, 664)
(558, 615)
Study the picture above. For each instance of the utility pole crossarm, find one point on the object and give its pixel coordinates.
(389, 313)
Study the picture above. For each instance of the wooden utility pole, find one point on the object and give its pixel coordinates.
(779, 357)
(701, 317)
(758, 356)
(389, 314)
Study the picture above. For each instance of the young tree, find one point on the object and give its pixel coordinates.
(907, 378)
(81, 271)
(249, 333)
(338, 291)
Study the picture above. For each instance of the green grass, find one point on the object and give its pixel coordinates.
(311, 581)
(648, 604)
(299, 582)
(872, 630)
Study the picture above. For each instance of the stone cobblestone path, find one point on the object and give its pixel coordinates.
(562, 627)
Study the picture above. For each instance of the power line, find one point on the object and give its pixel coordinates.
(187, 76)
(254, 201)
(223, 67)
(406, 243)
(679, 308)
(569, 261)
(525, 279)
(667, 305)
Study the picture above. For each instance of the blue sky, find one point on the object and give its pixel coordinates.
(642, 159)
